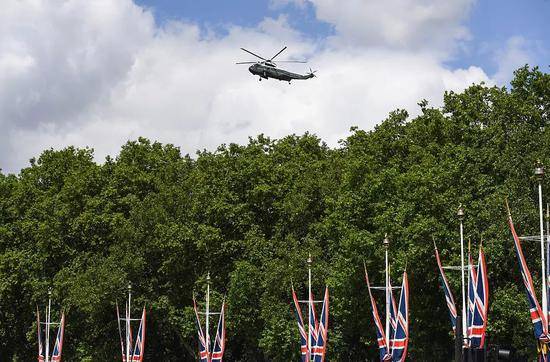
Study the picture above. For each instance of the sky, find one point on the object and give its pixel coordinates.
(99, 73)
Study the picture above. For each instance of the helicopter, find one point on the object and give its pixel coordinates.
(266, 68)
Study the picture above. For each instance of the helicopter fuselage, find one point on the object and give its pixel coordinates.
(268, 71)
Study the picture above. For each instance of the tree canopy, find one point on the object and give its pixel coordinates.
(250, 214)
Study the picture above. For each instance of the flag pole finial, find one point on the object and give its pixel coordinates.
(309, 260)
(539, 170)
(460, 212)
(386, 241)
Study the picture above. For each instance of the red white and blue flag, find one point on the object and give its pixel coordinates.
(204, 352)
(139, 347)
(58, 346)
(312, 330)
(538, 318)
(400, 339)
(319, 350)
(318, 329)
(479, 292)
(385, 353)
(304, 349)
(399, 326)
(471, 296)
(40, 347)
(393, 316)
(447, 290)
(219, 342)
(120, 334)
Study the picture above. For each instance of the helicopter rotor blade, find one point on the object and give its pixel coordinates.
(256, 55)
(291, 61)
(280, 51)
(246, 62)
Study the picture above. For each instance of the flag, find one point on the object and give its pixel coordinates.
(203, 345)
(304, 349)
(319, 350)
(120, 334)
(447, 290)
(312, 330)
(219, 342)
(58, 346)
(401, 336)
(380, 335)
(471, 297)
(478, 325)
(537, 317)
(393, 315)
(40, 347)
(139, 348)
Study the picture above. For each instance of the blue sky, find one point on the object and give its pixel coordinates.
(490, 22)
(217, 13)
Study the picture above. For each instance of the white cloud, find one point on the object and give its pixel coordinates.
(419, 25)
(517, 52)
(99, 73)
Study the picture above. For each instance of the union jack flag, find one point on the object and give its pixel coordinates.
(313, 327)
(537, 316)
(471, 296)
(393, 316)
(304, 350)
(401, 337)
(204, 352)
(399, 327)
(40, 347)
(319, 350)
(58, 346)
(447, 290)
(479, 293)
(139, 348)
(219, 343)
(120, 334)
(385, 354)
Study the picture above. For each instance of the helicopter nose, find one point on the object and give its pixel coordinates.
(251, 69)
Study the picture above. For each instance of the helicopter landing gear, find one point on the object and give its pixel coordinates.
(260, 79)
(288, 82)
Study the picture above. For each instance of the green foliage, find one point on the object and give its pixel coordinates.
(250, 214)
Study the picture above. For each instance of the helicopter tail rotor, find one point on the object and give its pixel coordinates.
(311, 73)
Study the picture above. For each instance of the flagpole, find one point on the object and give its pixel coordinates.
(207, 313)
(309, 304)
(539, 174)
(386, 245)
(547, 241)
(48, 325)
(460, 215)
(128, 316)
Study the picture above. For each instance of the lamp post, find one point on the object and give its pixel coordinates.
(539, 175)
(460, 215)
(386, 243)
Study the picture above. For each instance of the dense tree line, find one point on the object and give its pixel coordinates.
(250, 214)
